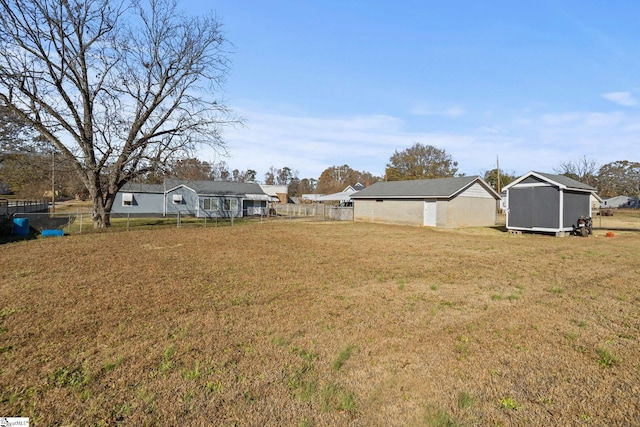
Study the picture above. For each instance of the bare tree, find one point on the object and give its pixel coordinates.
(583, 169)
(119, 86)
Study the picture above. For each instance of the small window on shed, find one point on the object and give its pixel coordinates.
(127, 199)
(177, 199)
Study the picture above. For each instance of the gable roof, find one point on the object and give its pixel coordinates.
(558, 180)
(422, 188)
(274, 190)
(215, 187)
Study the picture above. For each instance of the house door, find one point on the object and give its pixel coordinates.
(429, 219)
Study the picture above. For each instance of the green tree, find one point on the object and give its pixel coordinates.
(117, 87)
(491, 177)
(420, 162)
(336, 178)
(619, 178)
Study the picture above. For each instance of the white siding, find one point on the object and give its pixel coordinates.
(477, 190)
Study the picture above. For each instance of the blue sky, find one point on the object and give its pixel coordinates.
(323, 83)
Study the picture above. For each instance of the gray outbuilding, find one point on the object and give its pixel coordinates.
(466, 201)
(548, 203)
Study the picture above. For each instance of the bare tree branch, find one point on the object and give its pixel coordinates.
(117, 86)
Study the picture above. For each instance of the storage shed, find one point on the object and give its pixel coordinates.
(547, 203)
(466, 201)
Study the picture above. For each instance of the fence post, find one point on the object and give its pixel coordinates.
(128, 215)
(80, 215)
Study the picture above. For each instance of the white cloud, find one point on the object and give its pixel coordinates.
(621, 98)
(454, 111)
(366, 142)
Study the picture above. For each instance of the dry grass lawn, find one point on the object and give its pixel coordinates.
(321, 324)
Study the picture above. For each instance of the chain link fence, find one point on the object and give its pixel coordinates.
(79, 222)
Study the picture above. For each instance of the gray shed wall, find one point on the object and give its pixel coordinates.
(575, 205)
(534, 207)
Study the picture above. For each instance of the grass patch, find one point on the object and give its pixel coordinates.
(334, 397)
(344, 355)
(67, 377)
(434, 417)
(606, 358)
(510, 403)
(465, 400)
(192, 374)
(167, 362)
(7, 312)
(111, 365)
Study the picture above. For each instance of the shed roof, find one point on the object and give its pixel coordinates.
(422, 188)
(216, 187)
(559, 180)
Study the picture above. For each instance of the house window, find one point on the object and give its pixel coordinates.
(127, 199)
(231, 205)
(177, 199)
(210, 204)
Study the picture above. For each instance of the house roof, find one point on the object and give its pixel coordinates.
(215, 187)
(134, 187)
(274, 190)
(342, 196)
(422, 188)
(559, 180)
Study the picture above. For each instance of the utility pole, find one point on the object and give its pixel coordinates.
(498, 171)
(53, 182)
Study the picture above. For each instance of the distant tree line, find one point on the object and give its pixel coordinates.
(31, 167)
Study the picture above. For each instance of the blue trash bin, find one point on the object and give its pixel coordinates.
(21, 226)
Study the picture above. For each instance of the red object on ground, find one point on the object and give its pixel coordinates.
(609, 234)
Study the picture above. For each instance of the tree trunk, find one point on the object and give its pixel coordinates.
(101, 216)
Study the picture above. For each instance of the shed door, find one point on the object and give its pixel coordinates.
(429, 219)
